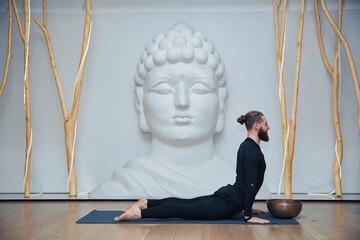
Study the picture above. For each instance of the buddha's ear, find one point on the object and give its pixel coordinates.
(139, 96)
(222, 108)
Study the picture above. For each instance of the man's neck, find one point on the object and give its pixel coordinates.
(254, 136)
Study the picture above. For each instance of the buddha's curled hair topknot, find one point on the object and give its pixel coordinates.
(180, 44)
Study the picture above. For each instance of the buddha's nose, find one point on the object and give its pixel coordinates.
(182, 100)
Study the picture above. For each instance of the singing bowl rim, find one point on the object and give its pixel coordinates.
(284, 208)
(284, 201)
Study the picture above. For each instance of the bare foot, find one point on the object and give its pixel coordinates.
(131, 214)
(141, 203)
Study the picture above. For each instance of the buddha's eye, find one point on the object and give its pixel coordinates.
(162, 88)
(201, 88)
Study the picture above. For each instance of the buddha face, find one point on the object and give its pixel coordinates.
(181, 104)
(180, 92)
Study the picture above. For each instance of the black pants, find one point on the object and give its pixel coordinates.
(201, 208)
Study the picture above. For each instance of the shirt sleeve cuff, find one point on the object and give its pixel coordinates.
(247, 218)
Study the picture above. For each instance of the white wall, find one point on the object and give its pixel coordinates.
(107, 133)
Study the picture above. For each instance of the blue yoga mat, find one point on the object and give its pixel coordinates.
(108, 217)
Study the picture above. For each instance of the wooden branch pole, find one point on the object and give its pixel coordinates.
(326, 62)
(335, 77)
(22, 34)
(349, 57)
(276, 16)
(290, 155)
(283, 24)
(339, 142)
(335, 88)
(279, 57)
(25, 36)
(52, 62)
(70, 121)
(8, 56)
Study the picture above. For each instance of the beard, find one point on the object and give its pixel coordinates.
(263, 135)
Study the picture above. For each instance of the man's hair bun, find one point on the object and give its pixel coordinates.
(241, 119)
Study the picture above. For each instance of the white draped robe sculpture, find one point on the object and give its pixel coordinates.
(180, 98)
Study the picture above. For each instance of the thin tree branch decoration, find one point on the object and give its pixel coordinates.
(321, 44)
(349, 57)
(335, 77)
(279, 59)
(25, 36)
(8, 56)
(290, 155)
(288, 144)
(70, 121)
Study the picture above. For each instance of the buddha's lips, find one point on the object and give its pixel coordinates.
(182, 119)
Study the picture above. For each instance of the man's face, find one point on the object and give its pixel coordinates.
(263, 131)
(181, 103)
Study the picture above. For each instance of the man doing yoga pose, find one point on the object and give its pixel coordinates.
(228, 200)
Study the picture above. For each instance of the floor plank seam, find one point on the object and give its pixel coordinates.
(147, 231)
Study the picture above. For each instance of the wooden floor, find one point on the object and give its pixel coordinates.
(56, 220)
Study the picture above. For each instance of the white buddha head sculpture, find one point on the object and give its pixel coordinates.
(180, 92)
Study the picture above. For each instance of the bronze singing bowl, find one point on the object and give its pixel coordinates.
(284, 208)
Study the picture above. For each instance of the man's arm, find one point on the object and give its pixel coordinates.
(251, 168)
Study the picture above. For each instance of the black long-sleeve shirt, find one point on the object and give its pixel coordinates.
(249, 177)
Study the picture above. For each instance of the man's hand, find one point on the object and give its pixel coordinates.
(258, 220)
(257, 211)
